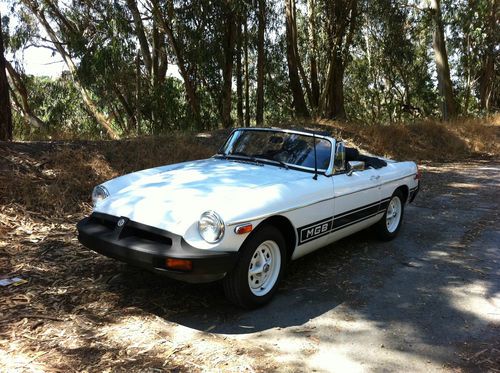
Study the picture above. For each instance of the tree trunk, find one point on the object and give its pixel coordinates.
(335, 89)
(313, 51)
(141, 35)
(487, 77)
(227, 88)
(239, 73)
(247, 76)
(259, 118)
(163, 57)
(129, 110)
(5, 109)
(341, 17)
(302, 74)
(449, 107)
(189, 85)
(138, 92)
(298, 101)
(21, 90)
(155, 56)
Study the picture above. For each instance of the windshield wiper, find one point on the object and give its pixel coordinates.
(242, 157)
(253, 159)
(281, 163)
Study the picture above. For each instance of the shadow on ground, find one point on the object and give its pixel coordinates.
(426, 293)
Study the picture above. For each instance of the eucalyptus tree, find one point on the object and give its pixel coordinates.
(449, 106)
(22, 104)
(294, 60)
(64, 33)
(473, 38)
(388, 78)
(260, 62)
(341, 19)
(489, 84)
(312, 16)
(330, 26)
(5, 108)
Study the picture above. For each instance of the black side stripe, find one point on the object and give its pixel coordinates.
(354, 216)
(361, 208)
(332, 224)
(356, 221)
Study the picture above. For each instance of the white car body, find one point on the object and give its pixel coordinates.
(172, 198)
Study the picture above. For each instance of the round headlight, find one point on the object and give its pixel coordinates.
(98, 194)
(211, 227)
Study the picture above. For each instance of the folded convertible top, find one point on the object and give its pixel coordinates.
(352, 154)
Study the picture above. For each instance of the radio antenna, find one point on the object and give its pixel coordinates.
(315, 177)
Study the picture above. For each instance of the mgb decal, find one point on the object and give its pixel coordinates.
(315, 230)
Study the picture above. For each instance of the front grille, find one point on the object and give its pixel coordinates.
(131, 229)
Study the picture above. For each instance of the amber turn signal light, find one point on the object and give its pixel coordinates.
(242, 229)
(179, 264)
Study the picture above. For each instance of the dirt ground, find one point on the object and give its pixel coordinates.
(427, 301)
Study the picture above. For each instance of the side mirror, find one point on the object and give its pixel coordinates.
(355, 166)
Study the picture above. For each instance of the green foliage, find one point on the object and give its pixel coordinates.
(389, 78)
(57, 103)
(389, 68)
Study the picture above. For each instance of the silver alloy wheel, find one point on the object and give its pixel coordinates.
(393, 215)
(264, 268)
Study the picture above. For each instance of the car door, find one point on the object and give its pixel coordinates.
(356, 198)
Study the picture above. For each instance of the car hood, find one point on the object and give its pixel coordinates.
(173, 197)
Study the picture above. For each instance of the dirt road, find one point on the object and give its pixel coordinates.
(427, 301)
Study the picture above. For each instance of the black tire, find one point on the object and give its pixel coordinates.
(381, 226)
(236, 283)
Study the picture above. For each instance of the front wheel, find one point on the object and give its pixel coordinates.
(256, 276)
(390, 224)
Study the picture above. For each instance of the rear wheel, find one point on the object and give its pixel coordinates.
(256, 276)
(390, 224)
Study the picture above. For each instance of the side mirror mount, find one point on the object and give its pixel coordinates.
(339, 164)
(355, 166)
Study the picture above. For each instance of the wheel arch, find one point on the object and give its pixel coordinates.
(405, 190)
(285, 226)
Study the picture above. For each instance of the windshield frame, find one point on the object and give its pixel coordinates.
(321, 171)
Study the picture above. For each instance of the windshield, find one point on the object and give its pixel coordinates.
(281, 147)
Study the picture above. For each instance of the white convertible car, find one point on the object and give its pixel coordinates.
(269, 196)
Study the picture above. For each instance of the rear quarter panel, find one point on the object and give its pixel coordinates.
(397, 174)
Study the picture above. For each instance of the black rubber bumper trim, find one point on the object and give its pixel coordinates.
(148, 247)
(414, 192)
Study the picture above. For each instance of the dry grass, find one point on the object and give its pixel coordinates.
(56, 178)
(426, 140)
(80, 311)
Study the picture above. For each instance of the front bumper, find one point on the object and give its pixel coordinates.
(148, 247)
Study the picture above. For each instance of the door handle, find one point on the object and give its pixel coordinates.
(375, 177)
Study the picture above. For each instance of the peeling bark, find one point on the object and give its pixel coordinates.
(24, 106)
